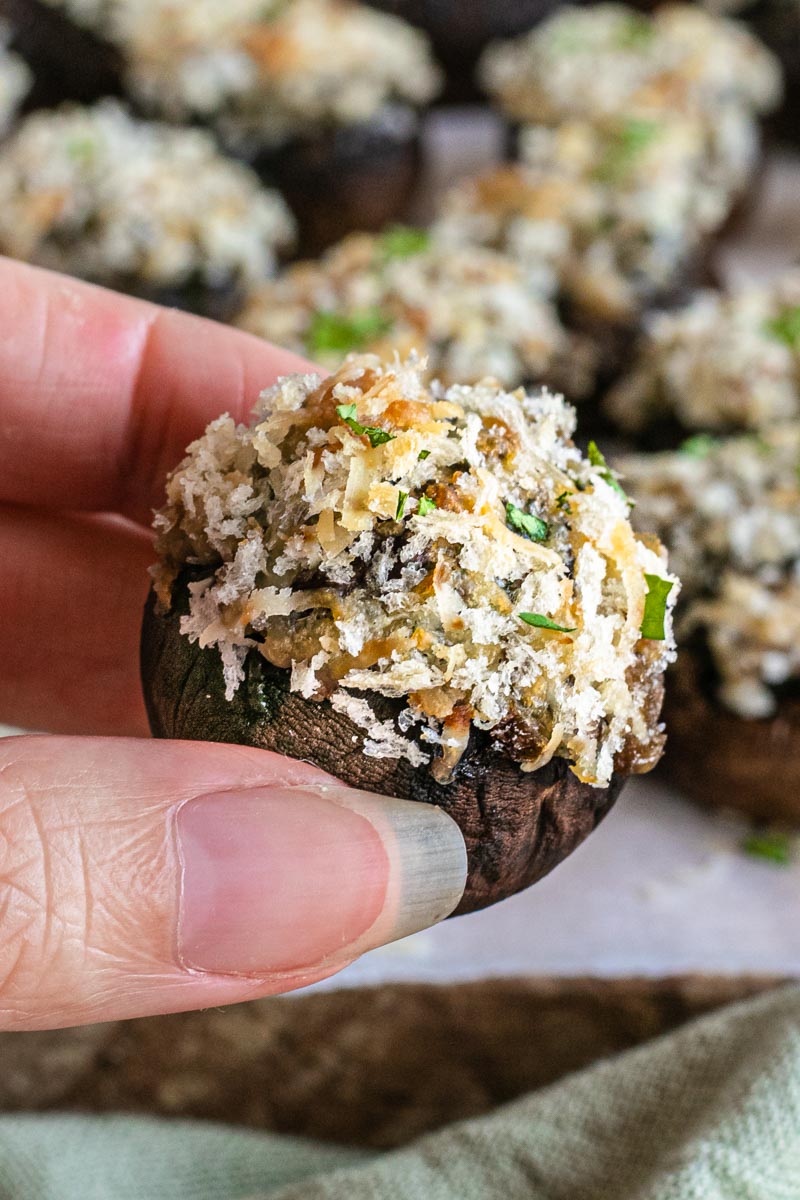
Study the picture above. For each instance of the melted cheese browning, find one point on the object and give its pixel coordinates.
(391, 567)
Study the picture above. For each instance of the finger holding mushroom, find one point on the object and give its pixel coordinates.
(428, 592)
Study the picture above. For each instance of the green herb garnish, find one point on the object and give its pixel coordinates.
(377, 437)
(82, 148)
(423, 454)
(401, 506)
(562, 502)
(541, 622)
(785, 327)
(634, 31)
(426, 505)
(627, 144)
(335, 333)
(525, 523)
(699, 445)
(655, 607)
(568, 37)
(404, 241)
(597, 459)
(770, 845)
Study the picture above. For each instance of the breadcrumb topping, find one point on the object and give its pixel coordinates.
(95, 193)
(265, 73)
(468, 310)
(729, 511)
(643, 136)
(449, 549)
(609, 214)
(726, 361)
(608, 59)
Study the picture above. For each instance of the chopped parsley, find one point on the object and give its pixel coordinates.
(628, 143)
(634, 31)
(335, 333)
(770, 844)
(562, 502)
(404, 241)
(401, 506)
(426, 505)
(82, 148)
(655, 607)
(785, 327)
(423, 454)
(597, 459)
(525, 523)
(699, 445)
(377, 437)
(541, 622)
(568, 38)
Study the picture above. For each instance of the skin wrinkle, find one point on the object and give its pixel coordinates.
(46, 868)
(154, 421)
(114, 951)
(56, 915)
(120, 803)
(147, 423)
(88, 892)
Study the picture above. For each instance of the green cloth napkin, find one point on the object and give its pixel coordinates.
(709, 1113)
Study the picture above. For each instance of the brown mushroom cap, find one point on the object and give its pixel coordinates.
(517, 825)
(720, 759)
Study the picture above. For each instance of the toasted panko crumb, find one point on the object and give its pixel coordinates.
(380, 536)
(729, 511)
(727, 361)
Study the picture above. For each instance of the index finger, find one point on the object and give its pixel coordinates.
(100, 393)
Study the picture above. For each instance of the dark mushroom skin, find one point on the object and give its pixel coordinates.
(460, 32)
(68, 61)
(517, 825)
(359, 177)
(720, 759)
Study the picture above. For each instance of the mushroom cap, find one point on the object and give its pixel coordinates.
(723, 760)
(517, 825)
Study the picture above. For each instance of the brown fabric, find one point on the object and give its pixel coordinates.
(374, 1067)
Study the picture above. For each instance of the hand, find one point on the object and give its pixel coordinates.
(140, 876)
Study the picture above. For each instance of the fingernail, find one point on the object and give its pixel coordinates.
(281, 879)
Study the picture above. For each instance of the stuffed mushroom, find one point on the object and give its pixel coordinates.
(612, 217)
(729, 510)
(468, 310)
(726, 362)
(138, 206)
(321, 96)
(608, 60)
(427, 592)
